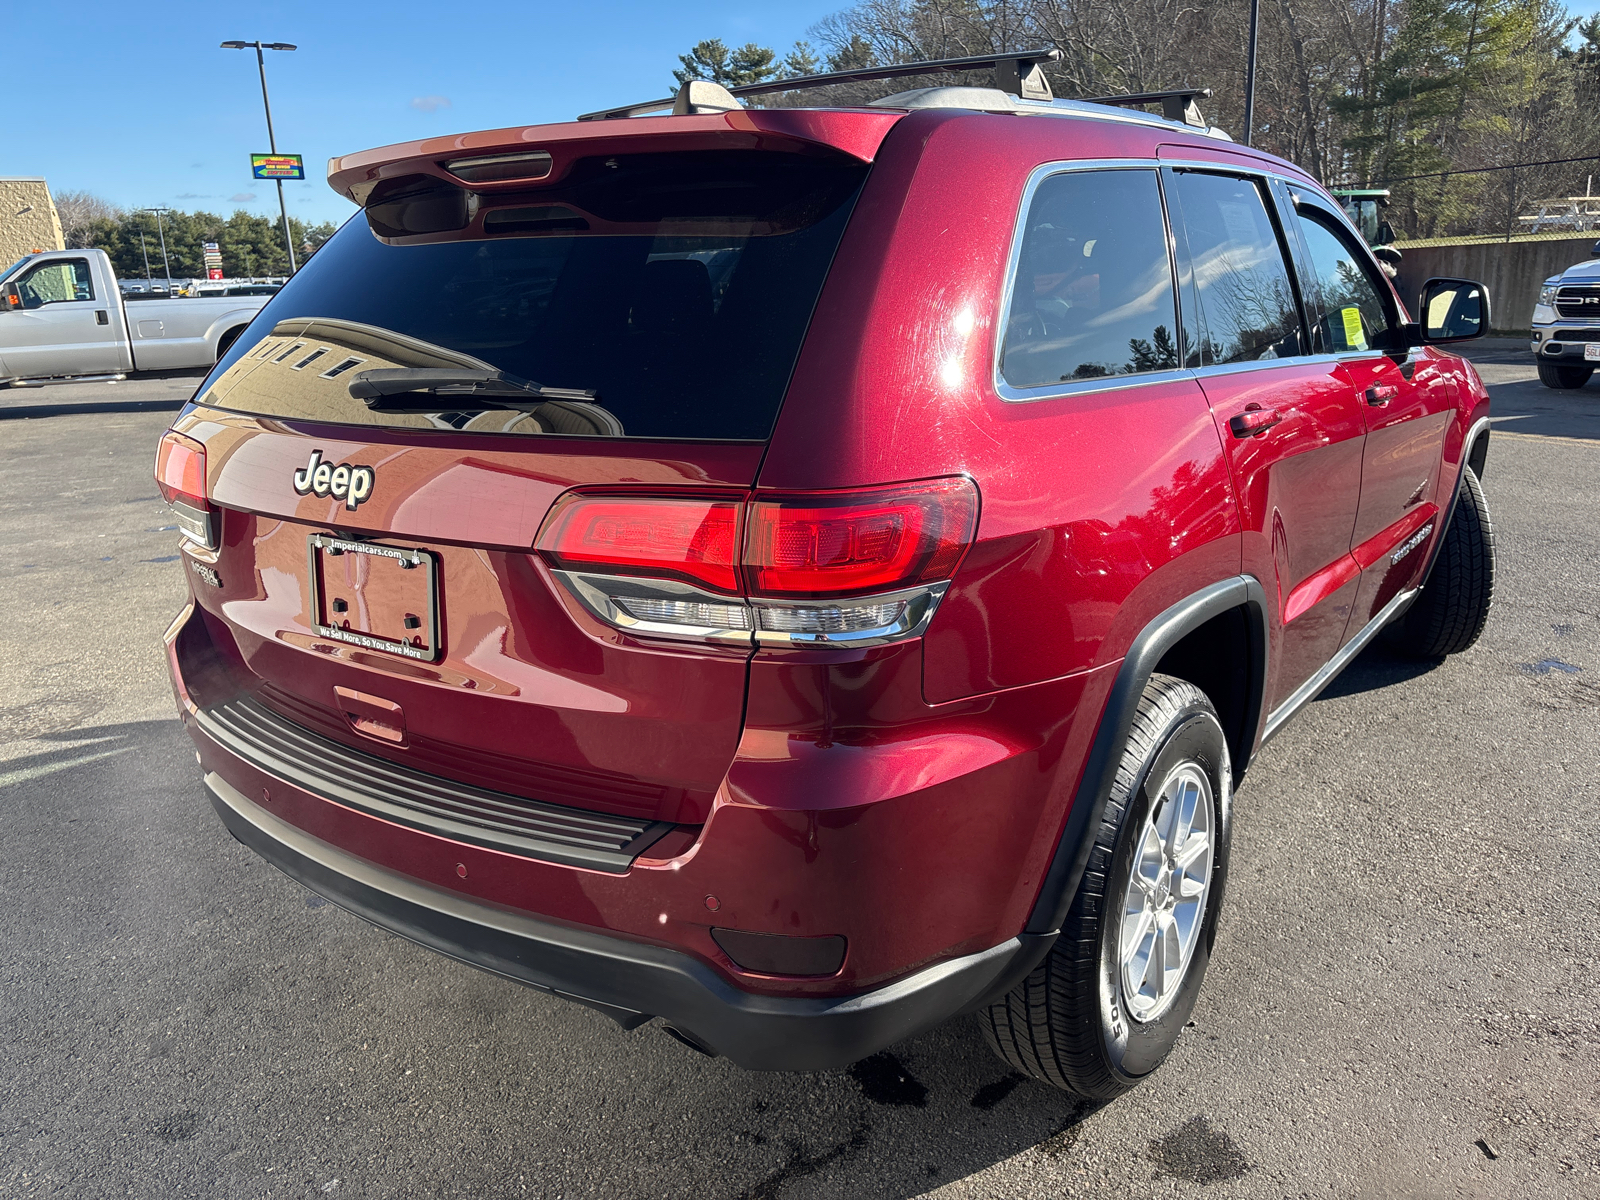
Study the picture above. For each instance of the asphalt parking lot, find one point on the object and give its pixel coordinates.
(1405, 999)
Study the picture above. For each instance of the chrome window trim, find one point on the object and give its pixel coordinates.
(1053, 391)
(1056, 391)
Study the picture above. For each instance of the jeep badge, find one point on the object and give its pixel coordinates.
(347, 483)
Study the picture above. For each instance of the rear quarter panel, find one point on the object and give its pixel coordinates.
(1098, 511)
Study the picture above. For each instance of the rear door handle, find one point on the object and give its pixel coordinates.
(1254, 420)
(100, 317)
(1379, 395)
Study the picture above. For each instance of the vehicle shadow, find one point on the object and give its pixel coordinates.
(19, 412)
(127, 907)
(1374, 668)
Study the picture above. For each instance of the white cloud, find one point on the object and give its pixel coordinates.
(241, 197)
(430, 104)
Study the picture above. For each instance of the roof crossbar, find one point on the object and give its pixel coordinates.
(1176, 105)
(1017, 72)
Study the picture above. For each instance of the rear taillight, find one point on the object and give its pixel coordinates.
(859, 567)
(691, 539)
(181, 476)
(852, 543)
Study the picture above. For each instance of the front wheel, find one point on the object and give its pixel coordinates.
(1454, 606)
(1557, 375)
(1106, 1006)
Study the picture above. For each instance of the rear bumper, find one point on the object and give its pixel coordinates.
(631, 981)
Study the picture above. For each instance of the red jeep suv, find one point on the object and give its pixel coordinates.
(801, 574)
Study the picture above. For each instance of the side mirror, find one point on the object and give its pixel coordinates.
(1453, 310)
(10, 298)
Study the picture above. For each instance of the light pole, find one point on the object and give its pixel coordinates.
(272, 141)
(1250, 74)
(166, 266)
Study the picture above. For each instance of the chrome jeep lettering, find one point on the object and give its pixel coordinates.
(352, 484)
(1411, 543)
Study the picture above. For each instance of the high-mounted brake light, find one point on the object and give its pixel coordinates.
(181, 476)
(859, 567)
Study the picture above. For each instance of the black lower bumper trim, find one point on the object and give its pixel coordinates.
(630, 981)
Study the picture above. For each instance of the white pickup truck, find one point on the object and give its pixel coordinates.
(62, 316)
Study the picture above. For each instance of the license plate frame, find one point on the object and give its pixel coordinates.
(1591, 352)
(425, 645)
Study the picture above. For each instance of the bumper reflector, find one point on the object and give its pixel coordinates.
(778, 954)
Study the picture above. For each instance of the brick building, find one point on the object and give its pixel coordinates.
(28, 219)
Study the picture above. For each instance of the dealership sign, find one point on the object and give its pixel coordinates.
(213, 260)
(277, 166)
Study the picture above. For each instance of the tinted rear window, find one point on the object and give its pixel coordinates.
(677, 288)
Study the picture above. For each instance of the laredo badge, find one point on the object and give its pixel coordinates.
(347, 483)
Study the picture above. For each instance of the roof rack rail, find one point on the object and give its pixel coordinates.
(1176, 105)
(1017, 72)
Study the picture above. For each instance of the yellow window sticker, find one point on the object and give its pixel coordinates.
(1354, 336)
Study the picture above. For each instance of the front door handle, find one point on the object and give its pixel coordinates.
(1254, 420)
(1379, 395)
(100, 317)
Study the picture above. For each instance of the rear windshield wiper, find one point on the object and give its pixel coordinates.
(420, 390)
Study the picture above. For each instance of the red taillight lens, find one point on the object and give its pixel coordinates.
(181, 470)
(859, 542)
(691, 539)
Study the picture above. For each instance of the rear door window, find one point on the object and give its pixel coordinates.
(667, 295)
(1092, 293)
(1248, 309)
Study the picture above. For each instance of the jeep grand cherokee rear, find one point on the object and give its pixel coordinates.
(802, 574)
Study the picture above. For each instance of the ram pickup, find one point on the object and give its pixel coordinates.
(62, 317)
(1566, 325)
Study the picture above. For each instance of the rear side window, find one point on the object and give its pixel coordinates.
(1348, 312)
(1092, 295)
(666, 295)
(1247, 305)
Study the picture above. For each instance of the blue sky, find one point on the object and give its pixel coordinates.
(138, 104)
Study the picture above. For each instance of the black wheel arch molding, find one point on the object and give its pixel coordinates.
(1149, 647)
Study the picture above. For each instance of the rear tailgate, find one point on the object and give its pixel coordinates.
(527, 694)
(386, 441)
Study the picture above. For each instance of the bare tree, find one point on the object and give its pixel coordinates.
(78, 212)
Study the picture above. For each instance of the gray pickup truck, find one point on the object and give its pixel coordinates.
(1566, 325)
(62, 316)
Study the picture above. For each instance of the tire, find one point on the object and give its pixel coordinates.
(1454, 606)
(1072, 1022)
(1556, 375)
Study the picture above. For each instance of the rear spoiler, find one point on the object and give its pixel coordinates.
(512, 158)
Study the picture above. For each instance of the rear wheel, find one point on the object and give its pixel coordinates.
(1106, 1006)
(1557, 375)
(1454, 606)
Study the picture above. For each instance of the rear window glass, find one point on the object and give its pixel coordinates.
(1093, 290)
(652, 296)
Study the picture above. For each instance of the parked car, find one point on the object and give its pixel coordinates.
(1566, 325)
(802, 574)
(63, 315)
